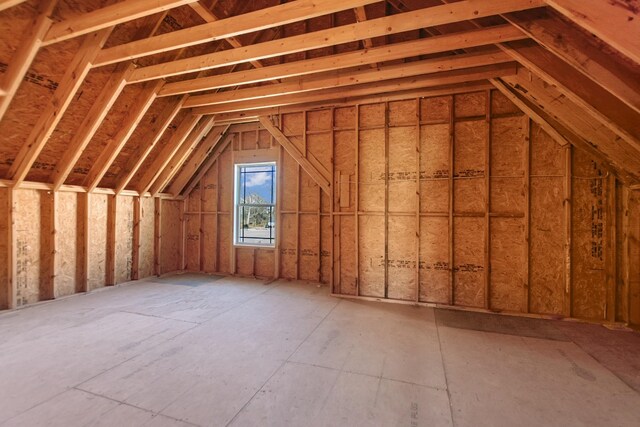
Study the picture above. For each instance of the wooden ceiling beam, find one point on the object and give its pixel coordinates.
(385, 53)
(108, 16)
(115, 145)
(563, 110)
(211, 159)
(90, 124)
(438, 15)
(166, 153)
(592, 98)
(586, 54)
(6, 4)
(24, 55)
(614, 22)
(352, 77)
(155, 134)
(182, 154)
(315, 174)
(423, 81)
(190, 167)
(57, 105)
(229, 27)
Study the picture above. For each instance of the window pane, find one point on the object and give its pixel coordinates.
(258, 184)
(257, 225)
(255, 208)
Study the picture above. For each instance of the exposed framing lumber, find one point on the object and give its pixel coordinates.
(586, 54)
(6, 4)
(437, 15)
(181, 155)
(315, 174)
(12, 251)
(108, 16)
(90, 124)
(217, 151)
(477, 37)
(157, 235)
(116, 144)
(392, 85)
(168, 151)
(135, 254)
(25, 54)
(225, 28)
(351, 77)
(160, 126)
(361, 16)
(84, 202)
(55, 109)
(199, 156)
(614, 22)
(568, 229)
(592, 98)
(48, 245)
(110, 264)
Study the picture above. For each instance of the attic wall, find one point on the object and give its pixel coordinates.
(543, 232)
(51, 246)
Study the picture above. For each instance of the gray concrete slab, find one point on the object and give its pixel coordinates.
(239, 352)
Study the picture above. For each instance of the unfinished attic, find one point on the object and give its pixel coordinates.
(320, 212)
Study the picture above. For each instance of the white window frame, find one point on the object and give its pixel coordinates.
(236, 202)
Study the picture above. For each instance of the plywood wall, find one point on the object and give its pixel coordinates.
(62, 243)
(456, 200)
(171, 236)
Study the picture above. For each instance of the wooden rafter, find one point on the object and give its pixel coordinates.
(182, 153)
(614, 22)
(25, 54)
(351, 77)
(430, 45)
(206, 165)
(116, 144)
(57, 105)
(108, 16)
(199, 156)
(586, 54)
(423, 81)
(155, 134)
(592, 98)
(438, 15)
(319, 178)
(166, 154)
(90, 124)
(223, 29)
(6, 4)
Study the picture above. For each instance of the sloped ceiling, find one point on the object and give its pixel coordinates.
(136, 95)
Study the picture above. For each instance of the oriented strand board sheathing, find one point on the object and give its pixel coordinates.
(346, 242)
(344, 164)
(470, 104)
(403, 113)
(288, 259)
(500, 104)
(264, 263)
(28, 240)
(210, 190)
(634, 258)
(66, 257)
(309, 199)
(289, 197)
(435, 109)
(372, 115)
(507, 168)
(145, 267)
(434, 260)
(4, 243)
(325, 249)
(402, 258)
(309, 247)
(97, 251)
(434, 168)
(171, 247)
(469, 169)
(209, 243)
(507, 264)
(244, 261)
(344, 117)
(402, 169)
(192, 242)
(468, 270)
(546, 247)
(224, 243)
(225, 183)
(372, 171)
(370, 254)
(124, 238)
(588, 243)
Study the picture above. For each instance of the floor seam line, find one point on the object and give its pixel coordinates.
(444, 368)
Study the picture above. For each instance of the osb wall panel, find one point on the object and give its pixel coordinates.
(634, 258)
(124, 238)
(546, 247)
(4, 248)
(589, 237)
(28, 238)
(171, 232)
(145, 258)
(97, 250)
(68, 230)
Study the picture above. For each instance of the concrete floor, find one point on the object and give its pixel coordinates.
(191, 351)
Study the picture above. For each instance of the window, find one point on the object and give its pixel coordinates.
(255, 203)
